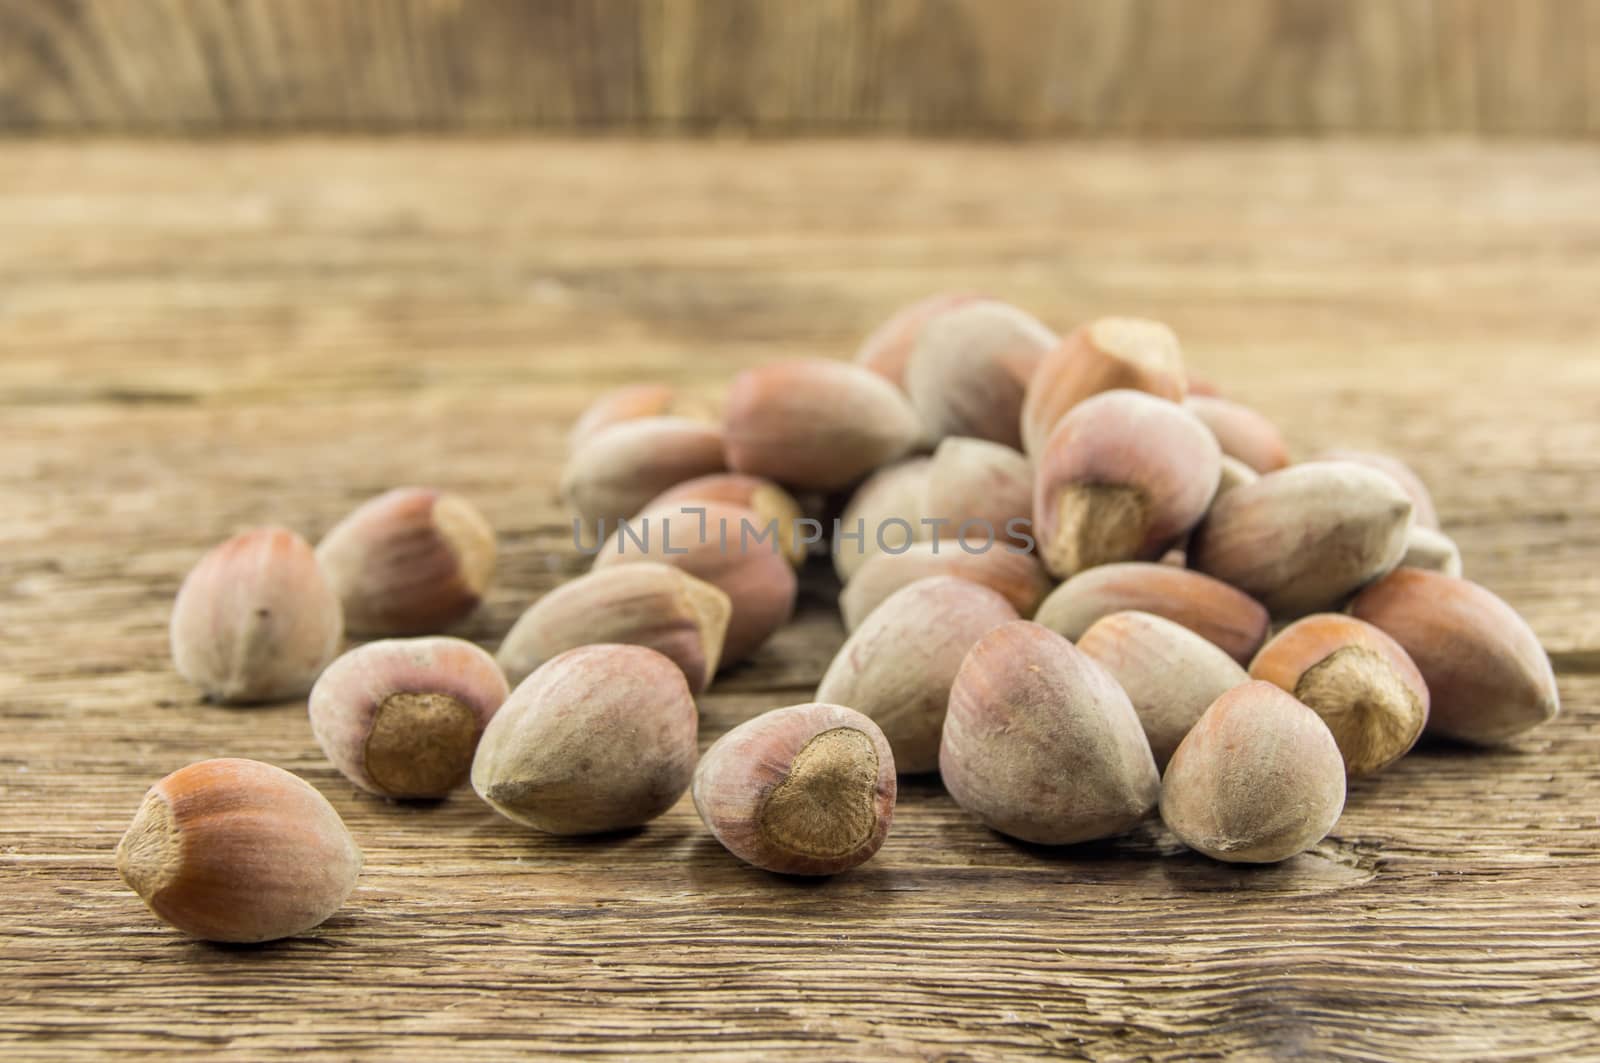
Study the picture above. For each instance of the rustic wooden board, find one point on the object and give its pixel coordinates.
(197, 338)
(1008, 67)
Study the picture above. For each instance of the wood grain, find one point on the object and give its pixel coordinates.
(993, 67)
(196, 338)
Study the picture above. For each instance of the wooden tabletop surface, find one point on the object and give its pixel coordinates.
(196, 338)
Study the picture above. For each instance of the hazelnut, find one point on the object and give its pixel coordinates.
(816, 424)
(803, 790)
(1241, 432)
(1210, 608)
(1421, 501)
(1123, 477)
(1257, 780)
(974, 480)
(898, 665)
(617, 471)
(1170, 674)
(1303, 539)
(1488, 678)
(970, 368)
(764, 498)
(886, 510)
(1111, 353)
(1015, 575)
(1359, 680)
(240, 851)
(600, 738)
(402, 717)
(634, 402)
(1042, 744)
(642, 604)
(255, 620)
(1431, 549)
(722, 545)
(411, 561)
(887, 349)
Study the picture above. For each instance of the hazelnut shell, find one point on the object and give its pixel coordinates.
(816, 424)
(412, 561)
(599, 739)
(803, 790)
(642, 604)
(1040, 743)
(256, 619)
(710, 542)
(238, 851)
(1110, 353)
(1170, 674)
(1123, 477)
(1017, 576)
(402, 717)
(970, 368)
(1257, 780)
(1303, 539)
(617, 471)
(1217, 612)
(1488, 678)
(898, 666)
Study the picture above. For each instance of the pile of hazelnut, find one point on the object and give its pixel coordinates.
(1062, 562)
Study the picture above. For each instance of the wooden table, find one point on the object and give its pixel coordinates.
(199, 337)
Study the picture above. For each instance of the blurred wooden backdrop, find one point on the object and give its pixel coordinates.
(988, 67)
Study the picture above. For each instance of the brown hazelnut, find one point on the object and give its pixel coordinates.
(816, 424)
(1017, 576)
(255, 620)
(633, 402)
(730, 548)
(1111, 353)
(616, 472)
(402, 717)
(642, 604)
(803, 790)
(1241, 432)
(1170, 674)
(412, 561)
(1303, 539)
(974, 480)
(1488, 678)
(1217, 612)
(885, 511)
(887, 349)
(970, 368)
(1422, 507)
(764, 498)
(1123, 477)
(1257, 780)
(1357, 679)
(239, 851)
(1042, 744)
(600, 738)
(898, 665)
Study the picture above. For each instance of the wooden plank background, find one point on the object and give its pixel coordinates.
(195, 338)
(988, 67)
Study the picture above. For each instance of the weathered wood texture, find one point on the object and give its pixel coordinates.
(193, 339)
(1008, 67)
